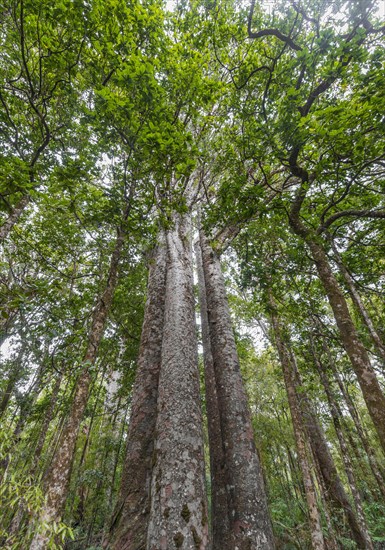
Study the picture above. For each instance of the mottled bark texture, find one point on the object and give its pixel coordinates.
(130, 521)
(13, 217)
(334, 488)
(220, 525)
(178, 517)
(371, 390)
(58, 477)
(298, 428)
(248, 512)
(359, 358)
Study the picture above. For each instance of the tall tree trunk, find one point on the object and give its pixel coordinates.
(13, 217)
(249, 518)
(345, 454)
(371, 390)
(58, 477)
(220, 526)
(130, 521)
(359, 358)
(330, 535)
(78, 513)
(360, 430)
(358, 302)
(299, 435)
(320, 448)
(292, 475)
(112, 473)
(178, 517)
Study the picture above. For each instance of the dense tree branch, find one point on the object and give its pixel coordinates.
(269, 32)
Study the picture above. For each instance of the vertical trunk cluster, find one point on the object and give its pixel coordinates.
(371, 390)
(178, 516)
(356, 298)
(249, 523)
(336, 415)
(58, 478)
(130, 522)
(302, 413)
(162, 503)
(368, 448)
(220, 527)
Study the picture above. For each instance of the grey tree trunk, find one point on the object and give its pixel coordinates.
(12, 380)
(46, 422)
(58, 478)
(14, 374)
(321, 452)
(330, 535)
(130, 521)
(178, 517)
(220, 525)
(299, 433)
(249, 518)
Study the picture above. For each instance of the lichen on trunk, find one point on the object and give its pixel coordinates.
(249, 518)
(178, 517)
(130, 522)
(220, 524)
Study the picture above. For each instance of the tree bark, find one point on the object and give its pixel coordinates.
(58, 477)
(14, 217)
(358, 302)
(359, 358)
(130, 522)
(345, 454)
(249, 518)
(299, 434)
(178, 517)
(220, 526)
(7, 393)
(371, 390)
(357, 423)
(334, 486)
(330, 535)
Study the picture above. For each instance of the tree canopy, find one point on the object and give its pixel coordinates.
(263, 121)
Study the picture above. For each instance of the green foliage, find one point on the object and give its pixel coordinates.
(115, 115)
(20, 492)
